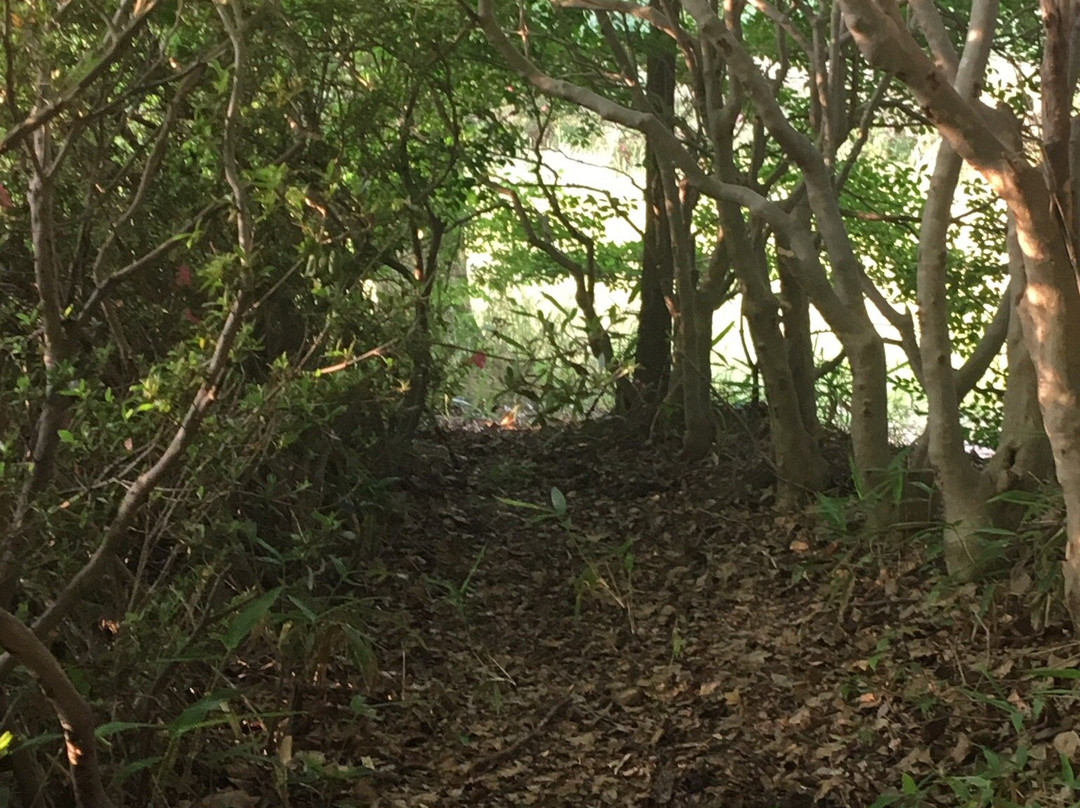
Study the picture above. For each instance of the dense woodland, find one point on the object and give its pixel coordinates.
(570, 402)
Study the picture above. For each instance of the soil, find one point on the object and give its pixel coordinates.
(568, 617)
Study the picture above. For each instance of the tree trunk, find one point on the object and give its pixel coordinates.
(653, 353)
(1023, 458)
(869, 404)
(1050, 314)
(694, 331)
(419, 344)
(964, 490)
(800, 466)
(795, 317)
(1042, 200)
(56, 350)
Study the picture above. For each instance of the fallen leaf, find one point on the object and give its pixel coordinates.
(868, 701)
(1067, 743)
(960, 752)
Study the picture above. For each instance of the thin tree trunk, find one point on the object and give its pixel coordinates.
(653, 352)
(694, 327)
(964, 490)
(56, 348)
(795, 317)
(800, 466)
(412, 406)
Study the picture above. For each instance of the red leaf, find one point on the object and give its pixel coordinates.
(5, 198)
(479, 359)
(182, 277)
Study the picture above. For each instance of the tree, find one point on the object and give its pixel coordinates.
(1041, 198)
(653, 353)
(195, 211)
(722, 77)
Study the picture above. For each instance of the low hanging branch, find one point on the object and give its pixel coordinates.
(76, 717)
(584, 275)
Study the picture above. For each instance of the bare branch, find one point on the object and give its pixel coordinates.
(784, 23)
(232, 19)
(545, 245)
(106, 286)
(649, 14)
(988, 347)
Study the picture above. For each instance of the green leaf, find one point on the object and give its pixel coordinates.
(1067, 773)
(1017, 496)
(44, 739)
(195, 715)
(309, 615)
(116, 727)
(518, 503)
(359, 706)
(1056, 673)
(137, 766)
(65, 436)
(245, 621)
(886, 800)
(558, 501)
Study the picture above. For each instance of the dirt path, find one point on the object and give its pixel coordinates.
(678, 643)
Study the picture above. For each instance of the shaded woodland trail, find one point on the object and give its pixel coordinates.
(754, 660)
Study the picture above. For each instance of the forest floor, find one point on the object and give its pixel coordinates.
(674, 640)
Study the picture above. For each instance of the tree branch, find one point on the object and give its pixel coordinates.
(116, 534)
(928, 18)
(117, 44)
(988, 347)
(76, 717)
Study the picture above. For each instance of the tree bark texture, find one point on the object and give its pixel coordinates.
(1023, 458)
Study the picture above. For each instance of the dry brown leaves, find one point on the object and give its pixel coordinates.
(745, 658)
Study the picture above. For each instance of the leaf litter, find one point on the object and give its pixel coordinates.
(671, 639)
